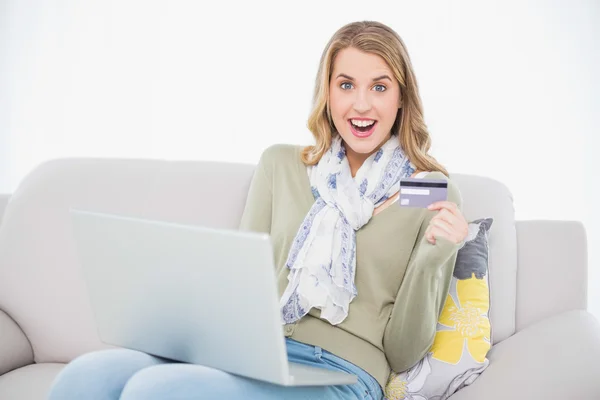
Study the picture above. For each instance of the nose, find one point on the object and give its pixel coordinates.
(362, 102)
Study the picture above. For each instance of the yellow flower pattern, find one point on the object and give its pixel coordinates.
(467, 320)
(396, 388)
(408, 384)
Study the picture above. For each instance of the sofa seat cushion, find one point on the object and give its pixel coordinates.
(29, 383)
(556, 358)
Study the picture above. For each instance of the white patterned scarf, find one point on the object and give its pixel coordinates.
(322, 259)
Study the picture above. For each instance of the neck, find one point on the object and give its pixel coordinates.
(356, 160)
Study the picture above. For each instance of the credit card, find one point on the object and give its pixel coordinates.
(417, 192)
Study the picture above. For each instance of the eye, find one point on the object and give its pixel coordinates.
(379, 88)
(346, 85)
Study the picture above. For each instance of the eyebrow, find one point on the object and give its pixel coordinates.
(379, 78)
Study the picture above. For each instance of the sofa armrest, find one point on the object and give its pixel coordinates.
(3, 203)
(554, 359)
(552, 269)
(15, 349)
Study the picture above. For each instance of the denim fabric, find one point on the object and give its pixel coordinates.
(301, 353)
(131, 375)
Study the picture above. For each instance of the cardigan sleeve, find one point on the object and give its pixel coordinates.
(412, 326)
(258, 207)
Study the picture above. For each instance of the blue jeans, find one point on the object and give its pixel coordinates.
(123, 374)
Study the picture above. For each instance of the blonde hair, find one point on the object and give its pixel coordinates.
(375, 38)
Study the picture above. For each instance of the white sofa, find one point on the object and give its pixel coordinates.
(545, 343)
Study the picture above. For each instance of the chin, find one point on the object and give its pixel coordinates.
(363, 146)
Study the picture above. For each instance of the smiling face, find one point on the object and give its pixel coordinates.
(364, 98)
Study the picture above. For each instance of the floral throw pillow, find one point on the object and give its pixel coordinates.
(463, 338)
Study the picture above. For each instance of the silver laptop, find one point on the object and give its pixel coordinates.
(188, 293)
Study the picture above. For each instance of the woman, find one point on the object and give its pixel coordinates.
(360, 292)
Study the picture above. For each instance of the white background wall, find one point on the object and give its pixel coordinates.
(508, 87)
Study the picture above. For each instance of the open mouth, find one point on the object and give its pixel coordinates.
(362, 128)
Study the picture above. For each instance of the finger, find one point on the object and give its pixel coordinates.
(440, 232)
(438, 205)
(430, 238)
(434, 232)
(447, 216)
(449, 205)
(443, 226)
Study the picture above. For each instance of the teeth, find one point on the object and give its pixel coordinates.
(362, 123)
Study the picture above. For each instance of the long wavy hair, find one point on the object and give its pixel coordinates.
(375, 38)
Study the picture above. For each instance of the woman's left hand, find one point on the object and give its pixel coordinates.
(448, 223)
